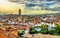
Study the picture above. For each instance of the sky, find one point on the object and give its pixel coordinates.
(29, 6)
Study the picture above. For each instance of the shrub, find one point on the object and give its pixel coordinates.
(51, 32)
(32, 30)
(57, 30)
(38, 29)
(20, 33)
(44, 29)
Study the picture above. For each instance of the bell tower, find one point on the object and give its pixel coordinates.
(19, 13)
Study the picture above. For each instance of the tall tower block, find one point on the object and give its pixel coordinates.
(19, 13)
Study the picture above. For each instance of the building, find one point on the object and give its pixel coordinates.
(19, 13)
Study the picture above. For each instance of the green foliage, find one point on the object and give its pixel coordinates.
(57, 29)
(32, 30)
(51, 32)
(20, 33)
(38, 29)
(44, 29)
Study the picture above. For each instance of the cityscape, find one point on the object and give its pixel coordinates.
(29, 18)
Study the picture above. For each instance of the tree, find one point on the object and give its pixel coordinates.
(44, 29)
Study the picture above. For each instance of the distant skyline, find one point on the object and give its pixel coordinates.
(29, 6)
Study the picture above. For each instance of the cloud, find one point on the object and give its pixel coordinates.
(27, 7)
(8, 7)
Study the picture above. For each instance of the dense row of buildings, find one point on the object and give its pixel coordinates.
(14, 22)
